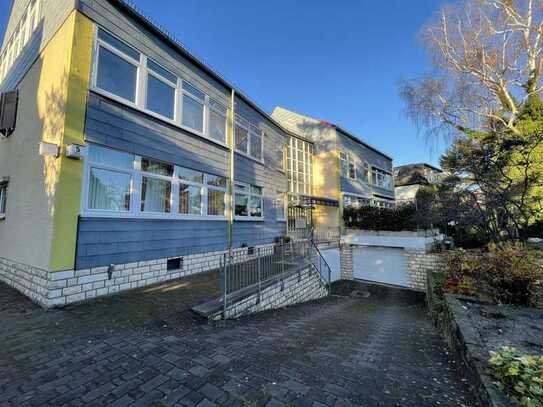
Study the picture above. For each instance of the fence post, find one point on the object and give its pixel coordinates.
(224, 287)
(259, 272)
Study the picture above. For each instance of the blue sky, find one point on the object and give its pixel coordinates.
(335, 60)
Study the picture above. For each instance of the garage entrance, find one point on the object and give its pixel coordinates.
(380, 264)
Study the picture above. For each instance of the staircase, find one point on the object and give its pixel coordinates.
(268, 278)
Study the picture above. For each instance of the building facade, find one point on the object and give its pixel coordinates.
(408, 179)
(346, 170)
(131, 161)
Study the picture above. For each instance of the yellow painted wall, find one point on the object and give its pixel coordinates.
(44, 192)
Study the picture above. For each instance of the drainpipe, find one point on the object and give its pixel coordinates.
(230, 190)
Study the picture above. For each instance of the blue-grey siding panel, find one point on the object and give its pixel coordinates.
(115, 241)
(362, 154)
(117, 126)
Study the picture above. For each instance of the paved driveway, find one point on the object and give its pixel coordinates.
(144, 348)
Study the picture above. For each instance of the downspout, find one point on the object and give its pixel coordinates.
(230, 192)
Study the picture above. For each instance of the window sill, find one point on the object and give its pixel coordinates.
(154, 115)
(147, 216)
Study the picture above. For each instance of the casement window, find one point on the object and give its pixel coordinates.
(248, 202)
(129, 76)
(383, 203)
(300, 166)
(248, 138)
(22, 33)
(347, 165)
(110, 179)
(161, 90)
(120, 184)
(381, 179)
(3, 198)
(280, 206)
(117, 67)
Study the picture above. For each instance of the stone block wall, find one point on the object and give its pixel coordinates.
(297, 288)
(346, 261)
(65, 287)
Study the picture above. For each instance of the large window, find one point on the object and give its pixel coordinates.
(19, 38)
(117, 67)
(347, 165)
(3, 198)
(300, 166)
(122, 184)
(381, 179)
(127, 75)
(248, 203)
(353, 201)
(248, 138)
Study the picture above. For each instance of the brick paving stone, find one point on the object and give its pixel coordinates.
(144, 348)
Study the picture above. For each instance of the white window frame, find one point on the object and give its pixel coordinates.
(141, 90)
(3, 197)
(135, 192)
(348, 160)
(376, 180)
(249, 194)
(300, 152)
(355, 199)
(20, 37)
(252, 130)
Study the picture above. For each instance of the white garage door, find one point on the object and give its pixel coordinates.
(380, 264)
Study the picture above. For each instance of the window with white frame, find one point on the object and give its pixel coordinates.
(347, 165)
(117, 67)
(381, 179)
(248, 138)
(123, 184)
(300, 166)
(248, 202)
(383, 203)
(19, 38)
(3, 198)
(352, 201)
(280, 204)
(122, 72)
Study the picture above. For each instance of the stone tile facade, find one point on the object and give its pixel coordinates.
(65, 287)
(297, 288)
(346, 261)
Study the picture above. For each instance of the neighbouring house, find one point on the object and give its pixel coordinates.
(130, 161)
(346, 170)
(408, 179)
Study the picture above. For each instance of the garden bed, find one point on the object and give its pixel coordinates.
(474, 328)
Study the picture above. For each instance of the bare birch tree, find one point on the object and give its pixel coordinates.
(488, 60)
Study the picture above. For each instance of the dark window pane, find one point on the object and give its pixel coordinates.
(116, 43)
(193, 113)
(156, 167)
(241, 139)
(256, 146)
(115, 75)
(190, 199)
(109, 190)
(191, 175)
(153, 66)
(215, 202)
(160, 97)
(241, 205)
(216, 180)
(155, 195)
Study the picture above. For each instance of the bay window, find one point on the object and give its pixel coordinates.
(248, 202)
(117, 67)
(248, 138)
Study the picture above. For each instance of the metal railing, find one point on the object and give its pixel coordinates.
(249, 271)
(326, 234)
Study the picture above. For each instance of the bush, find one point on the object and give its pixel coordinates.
(404, 217)
(504, 273)
(519, 376)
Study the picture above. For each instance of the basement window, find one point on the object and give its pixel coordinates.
(174, 264)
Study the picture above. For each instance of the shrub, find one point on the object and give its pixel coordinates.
(404, 217)
(520, 376)
(504, 273)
